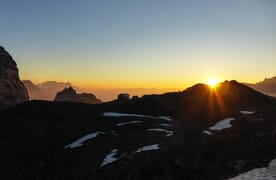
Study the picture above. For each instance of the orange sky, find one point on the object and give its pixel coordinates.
(140, 44)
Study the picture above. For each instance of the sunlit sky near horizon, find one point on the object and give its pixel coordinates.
(140, 44)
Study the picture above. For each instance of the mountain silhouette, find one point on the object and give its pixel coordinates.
(69, 94)
(267, 86)
(200, 102)
(46, 90)
(178, 135)
(12, 90)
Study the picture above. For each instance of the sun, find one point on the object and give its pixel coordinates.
(212, 82)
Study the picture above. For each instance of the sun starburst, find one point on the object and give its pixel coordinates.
(212, 82)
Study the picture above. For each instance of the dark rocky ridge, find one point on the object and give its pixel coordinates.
(200, 102)
(12, 90)
(69, 94)
(34, 134)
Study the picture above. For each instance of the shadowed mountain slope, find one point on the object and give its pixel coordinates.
(165, 139)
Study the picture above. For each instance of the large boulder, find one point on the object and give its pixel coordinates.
(12, 90)
(69, 94)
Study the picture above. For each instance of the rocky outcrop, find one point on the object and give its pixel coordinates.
(123, 97)
(69, 94)
(12, 90)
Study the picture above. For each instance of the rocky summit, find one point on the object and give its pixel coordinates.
(70, 94)
(12, 90)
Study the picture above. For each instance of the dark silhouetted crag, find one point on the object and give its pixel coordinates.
(69, 94)
(12, 90)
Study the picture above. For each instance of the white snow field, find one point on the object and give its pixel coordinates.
(265, 173)
(224, 124)
(207, 132)
(79, 142)
(166, 125)
(247, 112)
(115, 114)
(109, 158)
(168, 133)
(148, 148)
(127, 123)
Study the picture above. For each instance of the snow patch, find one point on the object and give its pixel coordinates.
(110, 157)
(166, 125)
(265, 173)
(79, 142)
(207, 132)
(169, 133)
(127, 123)
(115, 114)
(247, 112)
(224, 124)
(168, 118)
(148, 148)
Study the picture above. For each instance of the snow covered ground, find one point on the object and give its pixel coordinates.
(224, 124)
(265, 173)
(169, 133)
(115, 114)
(148, 148)
(247, 112)
(127, 123)
(207, 132)
(109, 158)
(166, 125)
(79, 142)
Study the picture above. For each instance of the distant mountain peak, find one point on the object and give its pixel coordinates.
(70, 94)
(69, 90)
(267, 86)
(46, 90)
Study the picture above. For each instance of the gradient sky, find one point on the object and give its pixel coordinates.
(140, 44)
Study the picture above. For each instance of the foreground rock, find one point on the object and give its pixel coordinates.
(69, 94)
(12, 90)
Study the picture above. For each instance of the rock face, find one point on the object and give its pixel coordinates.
(69, 94)
(12, 90)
